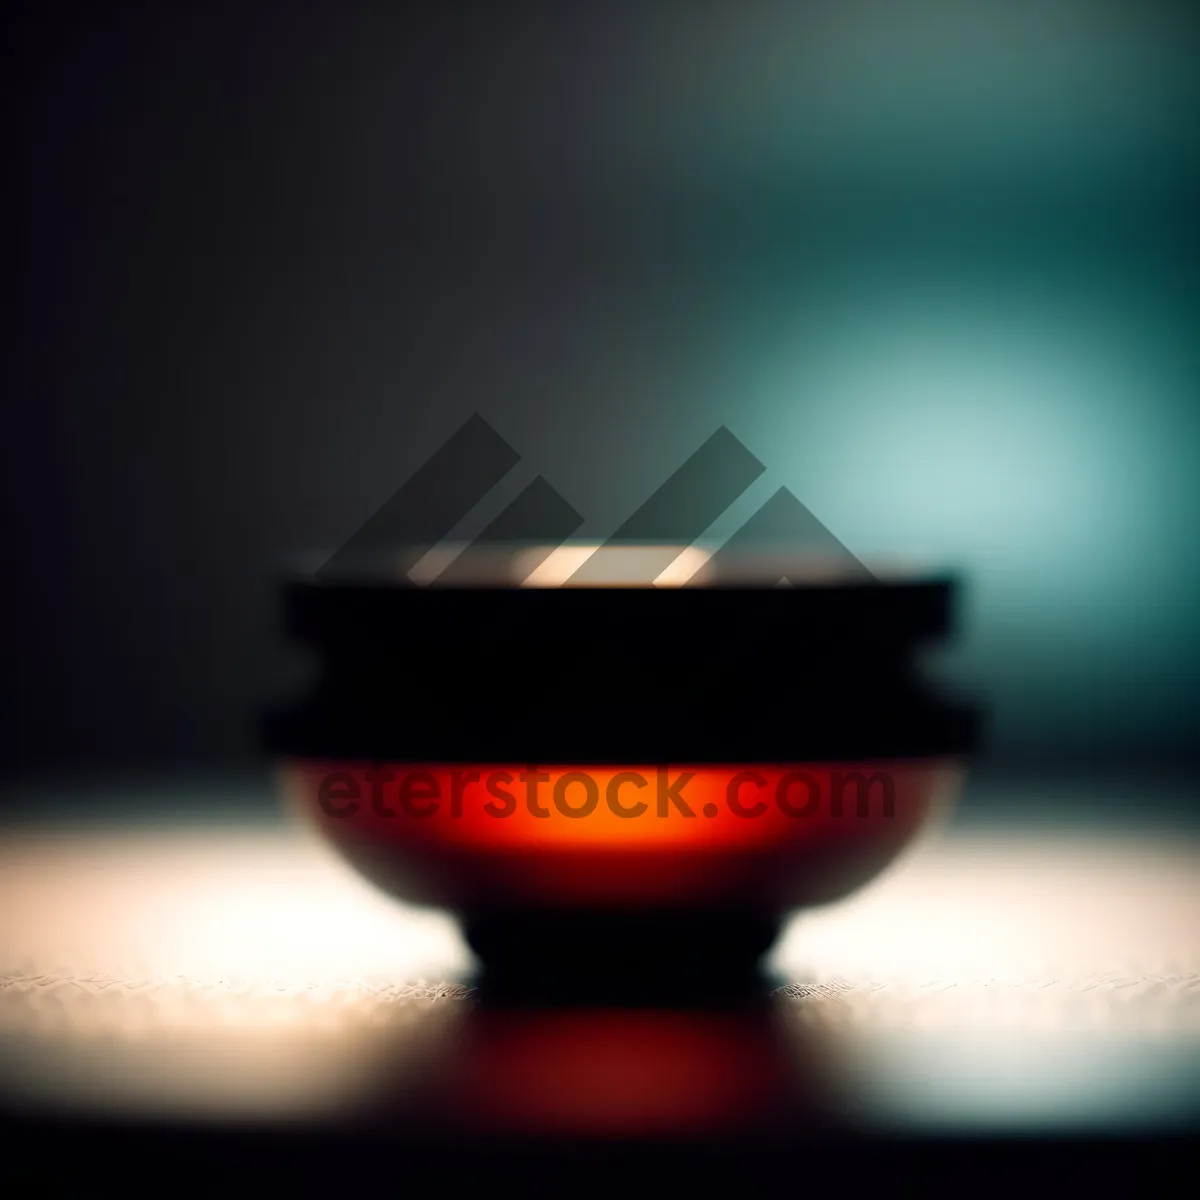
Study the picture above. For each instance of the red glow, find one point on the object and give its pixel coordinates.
(621, 1073)
(745, 826)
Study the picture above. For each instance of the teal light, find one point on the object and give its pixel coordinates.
(1046, 447)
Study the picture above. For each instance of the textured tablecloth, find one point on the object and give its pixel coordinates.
(244, 970)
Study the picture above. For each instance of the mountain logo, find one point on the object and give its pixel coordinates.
(457, 478)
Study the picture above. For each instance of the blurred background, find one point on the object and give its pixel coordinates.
(934, 264)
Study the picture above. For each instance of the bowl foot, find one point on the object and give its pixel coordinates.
(671, 959)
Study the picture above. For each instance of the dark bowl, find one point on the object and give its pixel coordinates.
(594, 774)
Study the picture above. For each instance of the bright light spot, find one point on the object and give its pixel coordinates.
(612, 566)
(690, 567)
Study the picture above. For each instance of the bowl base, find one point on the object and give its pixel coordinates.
(674, 959)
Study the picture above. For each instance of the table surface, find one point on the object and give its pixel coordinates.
(1000, 978)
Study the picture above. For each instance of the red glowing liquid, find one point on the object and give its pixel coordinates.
(768, 836)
